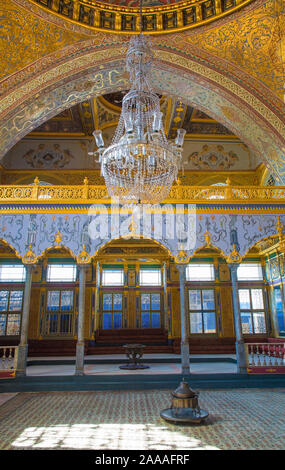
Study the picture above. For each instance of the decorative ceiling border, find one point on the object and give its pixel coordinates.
(98, 16)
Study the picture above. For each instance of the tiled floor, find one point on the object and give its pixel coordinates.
(238, 419)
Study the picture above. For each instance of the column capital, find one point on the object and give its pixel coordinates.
(29, 259)
(235, 257)
(83, 259)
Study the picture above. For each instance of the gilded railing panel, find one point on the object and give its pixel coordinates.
(85, 193)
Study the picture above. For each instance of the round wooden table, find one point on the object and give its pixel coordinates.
(134, 353)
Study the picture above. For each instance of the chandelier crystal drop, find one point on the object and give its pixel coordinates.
(140, 165)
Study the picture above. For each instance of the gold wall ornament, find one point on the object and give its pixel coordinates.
(182, 257)
(235, 257)
(83, 257)
(124, 19)
(29, 257)
(279, 226)
(133, 226)
(58, 239)
(207, 238)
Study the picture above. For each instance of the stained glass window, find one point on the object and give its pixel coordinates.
(252, 311)
(112, 277)
(279, 310)
(16, 298)
(12, 273)
(150, 310)
(150, 277)
(249, 272)
(59, 319)
(202, 310)
(61, 273)
(11, 301)
(112, 316)
(200, 272)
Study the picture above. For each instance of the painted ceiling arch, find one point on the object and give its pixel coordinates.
(62, 80)
(252, 38)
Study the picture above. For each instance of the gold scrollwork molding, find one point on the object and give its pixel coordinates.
(87, 193)
(58, 239)
(99, 16)
(29, 257)
(182, 258)
(83, 258)
(235, 257)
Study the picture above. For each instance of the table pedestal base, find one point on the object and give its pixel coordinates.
(134, 366)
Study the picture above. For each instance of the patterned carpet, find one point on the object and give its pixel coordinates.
(239, 419)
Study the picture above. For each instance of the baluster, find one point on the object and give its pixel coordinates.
(269, 355)
(3, 358)
(10, 358)
(258, 356)
(263, 355)
(278, 356)
(275, 355)
(252, 355)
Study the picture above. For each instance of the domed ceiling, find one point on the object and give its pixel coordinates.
(122, 16)
(136, 3)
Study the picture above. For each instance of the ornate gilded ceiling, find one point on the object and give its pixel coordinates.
(230, 69)
(122, 16)
(104, 112)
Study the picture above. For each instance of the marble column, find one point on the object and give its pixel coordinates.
(79, 365)
(185, 361)
(240, 351)
(22, 352)
(165, 296)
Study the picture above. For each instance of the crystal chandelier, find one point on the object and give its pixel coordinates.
(140, 165)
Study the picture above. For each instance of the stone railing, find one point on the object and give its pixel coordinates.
(86, 193)
(265, 357)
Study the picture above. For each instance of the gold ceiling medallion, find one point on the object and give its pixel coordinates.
(124, 19)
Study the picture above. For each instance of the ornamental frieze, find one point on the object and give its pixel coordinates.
(159, 16)
(179, 230)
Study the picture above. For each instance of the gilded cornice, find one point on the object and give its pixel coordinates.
(93, 15)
